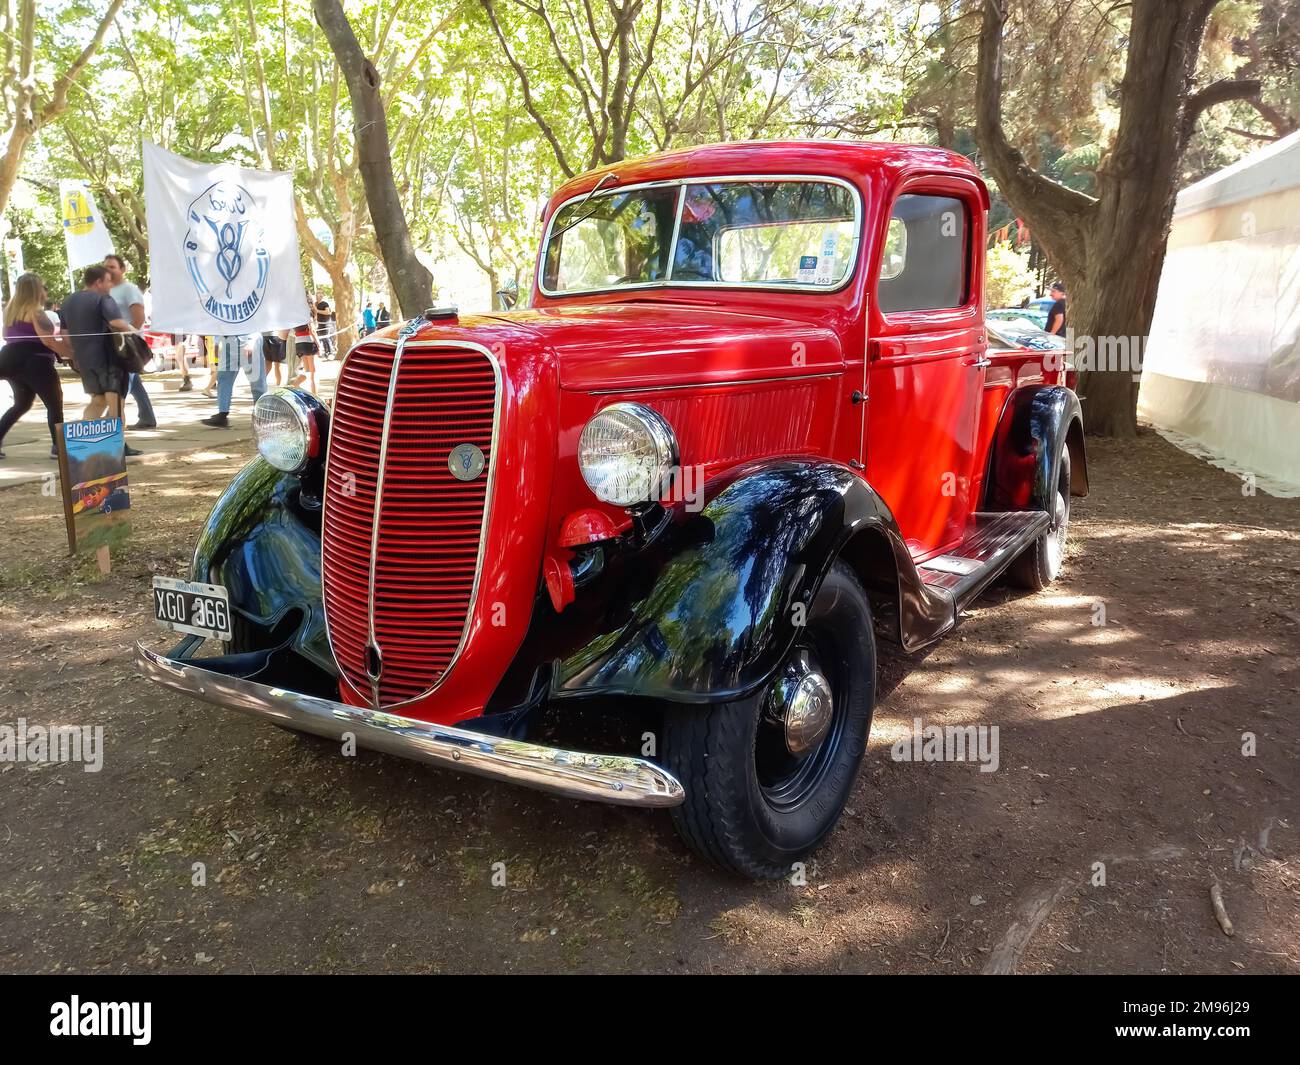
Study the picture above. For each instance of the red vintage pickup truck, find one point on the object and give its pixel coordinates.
(748, 423)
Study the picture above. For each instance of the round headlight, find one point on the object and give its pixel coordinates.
(285, 428)
(627, 454)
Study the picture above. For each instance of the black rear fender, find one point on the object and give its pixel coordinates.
(1036, 425)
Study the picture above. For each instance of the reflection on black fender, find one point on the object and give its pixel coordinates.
(719, 615)
(263, 546)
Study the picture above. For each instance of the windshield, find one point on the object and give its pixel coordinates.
(753, 232)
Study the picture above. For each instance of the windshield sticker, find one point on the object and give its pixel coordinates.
(826, 270)
(807, 269)
(828, 247)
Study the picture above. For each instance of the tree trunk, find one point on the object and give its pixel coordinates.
(1110, 250)
(345, 308)
(1137, 183)
(1109, 322)
(411, 283)
(12, 159)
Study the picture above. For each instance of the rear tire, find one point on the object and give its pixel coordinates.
(754, 806)
(1040, 563)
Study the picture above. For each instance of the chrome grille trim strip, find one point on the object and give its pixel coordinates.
(407, 331)
(489, 497)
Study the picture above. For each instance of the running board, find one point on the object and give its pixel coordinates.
(991, 543)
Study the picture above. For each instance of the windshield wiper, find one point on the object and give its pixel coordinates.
(594, 189)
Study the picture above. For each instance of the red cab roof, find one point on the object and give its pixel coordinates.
(847, 159)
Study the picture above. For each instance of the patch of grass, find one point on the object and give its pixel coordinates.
(806, 914)
(95, 529)
(735, 927)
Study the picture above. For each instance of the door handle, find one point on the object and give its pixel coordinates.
(982, 362)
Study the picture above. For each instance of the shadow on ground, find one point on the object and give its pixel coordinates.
(1124, 698)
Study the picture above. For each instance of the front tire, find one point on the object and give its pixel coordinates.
(767, 777)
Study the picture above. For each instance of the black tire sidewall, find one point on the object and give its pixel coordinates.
(1031, 570)
(772, 839)
(1045, 576)
(1061, 464)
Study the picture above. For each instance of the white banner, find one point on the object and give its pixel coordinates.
(84, 233)
(223, 250)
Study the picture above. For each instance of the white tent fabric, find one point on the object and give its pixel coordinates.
(1221, 371)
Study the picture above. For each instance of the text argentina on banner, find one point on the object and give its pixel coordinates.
(84, 233)
(223, 248)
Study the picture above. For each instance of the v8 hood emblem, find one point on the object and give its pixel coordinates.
(466, 462)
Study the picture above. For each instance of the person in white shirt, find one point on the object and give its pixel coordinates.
(131, 300)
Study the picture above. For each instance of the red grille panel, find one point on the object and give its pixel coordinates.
(430, 523)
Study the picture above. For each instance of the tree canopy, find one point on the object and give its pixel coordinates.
(489, 104)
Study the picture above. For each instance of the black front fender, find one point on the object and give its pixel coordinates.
(262, 544)
(722, 609)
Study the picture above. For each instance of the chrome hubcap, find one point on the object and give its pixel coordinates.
(804, 706)
(799, 726)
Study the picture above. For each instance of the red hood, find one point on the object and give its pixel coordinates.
(614, 346)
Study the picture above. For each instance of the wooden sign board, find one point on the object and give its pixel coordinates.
(92, 472)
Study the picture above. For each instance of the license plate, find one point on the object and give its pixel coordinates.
(193, 608)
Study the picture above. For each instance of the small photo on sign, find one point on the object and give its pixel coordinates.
(92, 467)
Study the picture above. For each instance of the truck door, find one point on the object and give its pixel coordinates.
(926, 362)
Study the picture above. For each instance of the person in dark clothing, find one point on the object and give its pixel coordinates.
(90, 316)
(302, 363)
(27, 358)
(273, 351)
(1056, 316)
(383, 319)
(325, 328)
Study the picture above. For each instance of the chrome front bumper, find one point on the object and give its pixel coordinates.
(600, 777)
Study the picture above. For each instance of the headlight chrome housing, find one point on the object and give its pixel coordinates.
(628, 454)
(285, 426)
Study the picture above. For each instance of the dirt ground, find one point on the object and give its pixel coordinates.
(1121, 743)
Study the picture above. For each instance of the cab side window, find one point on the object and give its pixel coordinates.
(923, 264)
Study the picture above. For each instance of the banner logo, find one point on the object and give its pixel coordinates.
(77, 219)
(225, 250)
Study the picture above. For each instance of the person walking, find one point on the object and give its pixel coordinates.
(208, 353)
(325, 327)
(368, 319)
(383, 319)
(235, 353)
(273, 348)
(180, 353)
(89, 316)
(131, 302)
(27, 358)
(303, 366)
